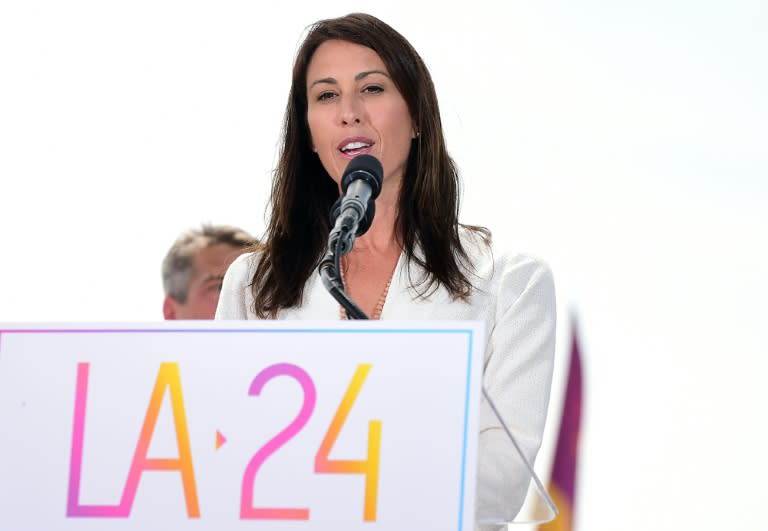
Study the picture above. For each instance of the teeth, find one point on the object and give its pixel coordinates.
(355, 145)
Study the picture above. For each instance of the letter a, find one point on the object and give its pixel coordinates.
(167, 376)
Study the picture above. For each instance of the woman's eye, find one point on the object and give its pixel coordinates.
(324, 96)
(373, 89)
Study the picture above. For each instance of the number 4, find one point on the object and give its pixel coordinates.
(369, 466)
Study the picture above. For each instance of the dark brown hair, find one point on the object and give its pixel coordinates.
(303, 192)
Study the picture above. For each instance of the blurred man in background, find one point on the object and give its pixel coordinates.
(194, 268)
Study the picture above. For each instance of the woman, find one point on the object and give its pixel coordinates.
(359, 87)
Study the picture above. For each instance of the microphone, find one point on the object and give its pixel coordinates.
(353, 212)
(351, 216)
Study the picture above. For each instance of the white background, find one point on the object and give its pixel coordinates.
(624, 142)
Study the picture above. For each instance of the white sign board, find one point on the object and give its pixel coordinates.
(239, 425)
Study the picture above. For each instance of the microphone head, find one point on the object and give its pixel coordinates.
(366, 167)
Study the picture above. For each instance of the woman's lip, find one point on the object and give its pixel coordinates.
(352, 139)
(355, 152)
(351, 154)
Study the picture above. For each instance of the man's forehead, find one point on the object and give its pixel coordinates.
(215, 259)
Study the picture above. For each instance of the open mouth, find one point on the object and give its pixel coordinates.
(353, 148)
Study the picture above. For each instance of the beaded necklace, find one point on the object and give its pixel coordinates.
(379, 304)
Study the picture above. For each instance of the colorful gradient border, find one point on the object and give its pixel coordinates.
(461, 331)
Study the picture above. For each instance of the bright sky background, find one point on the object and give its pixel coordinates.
(624, 142)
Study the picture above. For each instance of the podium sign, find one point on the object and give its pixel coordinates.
(239, 425)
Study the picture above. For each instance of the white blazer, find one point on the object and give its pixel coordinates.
(514, 296)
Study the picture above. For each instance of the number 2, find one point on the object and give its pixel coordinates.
(247, 511)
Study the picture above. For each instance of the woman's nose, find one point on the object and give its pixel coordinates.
(350, 111)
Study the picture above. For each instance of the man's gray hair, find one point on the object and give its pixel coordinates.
(178, 263)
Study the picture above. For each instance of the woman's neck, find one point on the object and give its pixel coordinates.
(381, 237)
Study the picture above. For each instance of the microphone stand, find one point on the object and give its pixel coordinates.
(329, 273)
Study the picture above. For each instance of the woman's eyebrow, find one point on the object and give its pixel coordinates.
(358, 77)
(361, 75)
(329, 80)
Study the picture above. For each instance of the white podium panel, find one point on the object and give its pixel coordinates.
(239, 425)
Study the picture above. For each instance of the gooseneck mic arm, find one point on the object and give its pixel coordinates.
(351, 216)
(329, 273)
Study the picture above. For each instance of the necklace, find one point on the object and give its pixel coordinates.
(376, 315)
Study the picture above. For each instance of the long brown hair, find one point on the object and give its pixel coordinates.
(303, 192)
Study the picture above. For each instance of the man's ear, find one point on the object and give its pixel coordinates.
(169, 308)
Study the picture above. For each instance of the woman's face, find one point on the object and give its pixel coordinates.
(355, 108)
